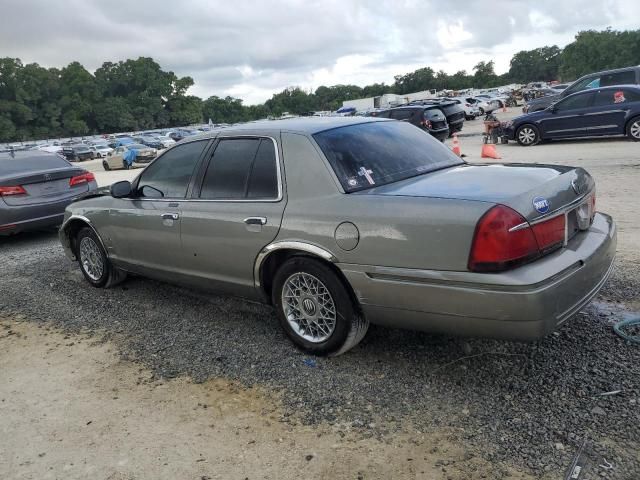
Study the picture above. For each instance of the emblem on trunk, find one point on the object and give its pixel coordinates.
(47, 177)
(541, 204)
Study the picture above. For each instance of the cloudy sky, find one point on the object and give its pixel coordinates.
(252, 49)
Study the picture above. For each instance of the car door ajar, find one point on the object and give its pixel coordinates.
(567, 117)
(235, 210)
(144, 231)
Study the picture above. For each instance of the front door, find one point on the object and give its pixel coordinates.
(235, 211)
(144, 232)
(566, 118)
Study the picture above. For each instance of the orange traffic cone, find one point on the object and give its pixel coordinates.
(456, 145)
(489, 151)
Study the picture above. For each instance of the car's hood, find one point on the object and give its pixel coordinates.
(514, 185)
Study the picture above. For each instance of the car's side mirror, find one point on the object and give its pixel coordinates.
(120, 189)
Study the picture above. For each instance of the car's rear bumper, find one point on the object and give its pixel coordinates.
(522, 304)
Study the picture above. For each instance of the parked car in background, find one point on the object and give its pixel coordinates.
(382, 225)
(429, 118)
(142, 156)
(77, 152)
(471, 111)
(619, 76)
(101, 150)
(36, 187)
(485, 106)
(596, 112)
(452, 111)
(119, 141)
(166, 141)
(150, 141)
(179, 134)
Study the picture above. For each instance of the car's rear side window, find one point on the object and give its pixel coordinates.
(242, 168)
(402, 114)
(371, 154)
(172, 171)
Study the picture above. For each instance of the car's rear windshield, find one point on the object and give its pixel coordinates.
(24, 163)
(372, 154)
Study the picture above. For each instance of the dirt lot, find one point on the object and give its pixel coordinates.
(72, 408)
(148, 380)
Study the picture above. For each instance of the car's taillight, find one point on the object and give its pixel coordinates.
(504, 239)
(498, 245)
(13, 190)
(84, 178)
(550, 233)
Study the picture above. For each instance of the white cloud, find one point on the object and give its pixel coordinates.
(253, 49)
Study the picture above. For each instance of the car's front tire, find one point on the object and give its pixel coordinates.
(315, 308)
(527, 135)
(93, 261)
(633, 129)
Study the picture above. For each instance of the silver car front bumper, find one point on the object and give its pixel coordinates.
(526, 303)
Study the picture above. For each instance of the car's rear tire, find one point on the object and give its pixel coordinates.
(481, 110)
(316, 308)
(93, 261)
(527, 135)
(633, 129)
(105, 165)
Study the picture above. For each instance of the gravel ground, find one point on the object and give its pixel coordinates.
(530, 405)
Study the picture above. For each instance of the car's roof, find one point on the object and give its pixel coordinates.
(608, 87)
(305, 125)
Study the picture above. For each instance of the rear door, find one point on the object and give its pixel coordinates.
(609, 112)
(568, 119)
(235, 211)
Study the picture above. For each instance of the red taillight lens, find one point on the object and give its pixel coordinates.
(84, 178)
(14, 190)
(497, 245)
(550, 233)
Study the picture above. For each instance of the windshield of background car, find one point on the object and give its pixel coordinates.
(137, 146)
(372, 154)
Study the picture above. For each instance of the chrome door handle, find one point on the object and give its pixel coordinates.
(170, 216)
(255, 220)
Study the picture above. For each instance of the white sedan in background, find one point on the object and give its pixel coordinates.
(101, 151)
(116, 160)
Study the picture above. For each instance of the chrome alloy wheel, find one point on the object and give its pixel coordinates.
(308, 307)
(527, 135)
(635, 129)
(91, 259)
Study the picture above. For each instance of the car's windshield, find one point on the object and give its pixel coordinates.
(377, 153)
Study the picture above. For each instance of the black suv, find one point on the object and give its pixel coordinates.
(608, 78)
(451, 109)
(77, 153)
(427, 117)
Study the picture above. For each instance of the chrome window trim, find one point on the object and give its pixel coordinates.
(231, 200)
(291, 245)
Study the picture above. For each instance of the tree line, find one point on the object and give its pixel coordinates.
(39, 103)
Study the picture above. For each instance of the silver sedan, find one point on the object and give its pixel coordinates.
(343, 222)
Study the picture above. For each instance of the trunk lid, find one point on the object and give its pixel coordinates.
(44, 187)
(531, 190)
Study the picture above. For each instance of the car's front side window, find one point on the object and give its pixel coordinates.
(572, 103)
(170, 174)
